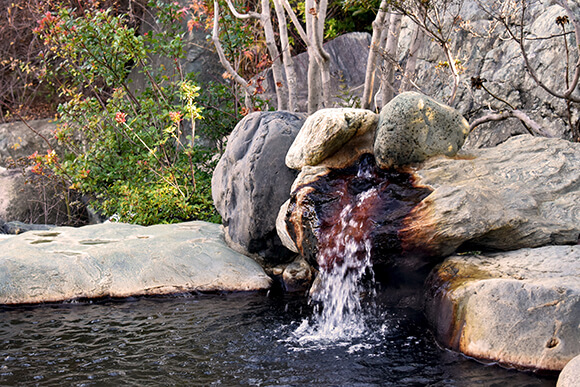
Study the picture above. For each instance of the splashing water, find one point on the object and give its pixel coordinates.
(344, 258)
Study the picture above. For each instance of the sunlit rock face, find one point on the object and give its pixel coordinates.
(520, 308)
(364, 205)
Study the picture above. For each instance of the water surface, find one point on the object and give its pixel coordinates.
(233, 339)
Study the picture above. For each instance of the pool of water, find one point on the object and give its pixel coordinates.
(231, 339)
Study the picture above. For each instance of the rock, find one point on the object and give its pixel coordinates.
(282, 230)
(522, 193)
(570, 375)
(28, 198)
(413, 127)
(519, 308)
(348, 60)
(325, 132)
(15, 227)
(359, 208)
(251, 182)
(500, 62)
(18, 141)
(122, 260)
(297, 276)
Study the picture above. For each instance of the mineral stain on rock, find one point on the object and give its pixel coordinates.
(366, 202)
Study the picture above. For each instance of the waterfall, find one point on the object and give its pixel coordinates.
(344, 258)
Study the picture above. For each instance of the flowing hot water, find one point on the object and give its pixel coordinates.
(354, 215)
(344, 259)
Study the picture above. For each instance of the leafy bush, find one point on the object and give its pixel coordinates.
(134, 152)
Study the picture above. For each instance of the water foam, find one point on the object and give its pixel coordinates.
(339, 316)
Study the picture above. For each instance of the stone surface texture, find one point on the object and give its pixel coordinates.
(18, 141)
(500, 63)
(519, 308)
(325, 132)
(570, 375)
(522, 193)
(413, 127)
(251, 182)
(121, 260)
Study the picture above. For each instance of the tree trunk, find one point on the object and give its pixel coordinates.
(286, 56)
(379, 25)
(279, 83)
(318, 58)
(416, 44)
(388, 79)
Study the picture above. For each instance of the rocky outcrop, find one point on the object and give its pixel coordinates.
(570, 375)
(519, 308)
(522, 193)
(413, 127)
(121, 260)
(251, 182)
(484, 52)
(325, 132)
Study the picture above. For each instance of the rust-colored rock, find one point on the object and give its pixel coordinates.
(375, 201)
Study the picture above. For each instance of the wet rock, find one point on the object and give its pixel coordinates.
(570, 375)
(121, 260)
(413, 127)
(522, 193)
(251, 182)
(366, 203)
(297, 276)
(325, 132)
(519, 308)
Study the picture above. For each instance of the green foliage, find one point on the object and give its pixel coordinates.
(348, 16)
(133, 151)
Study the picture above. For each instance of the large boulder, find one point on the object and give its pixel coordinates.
(570, 375)
(121, 260)
(19, 140)
(519, 308)
(327, 131)
(522, 193)
(413, 127)
(348, 60)
(251, 181)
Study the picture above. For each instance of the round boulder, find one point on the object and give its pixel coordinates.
(570, 375)
(325, 132)
(413, 127)
(251, 182)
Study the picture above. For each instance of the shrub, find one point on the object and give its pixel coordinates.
(134, 152)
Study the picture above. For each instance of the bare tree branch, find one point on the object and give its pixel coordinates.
(224, 61)
(532, 126)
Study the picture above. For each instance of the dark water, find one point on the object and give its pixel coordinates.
(234, 339)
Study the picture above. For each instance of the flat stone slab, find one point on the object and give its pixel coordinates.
(519, 308)
(122, 260)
